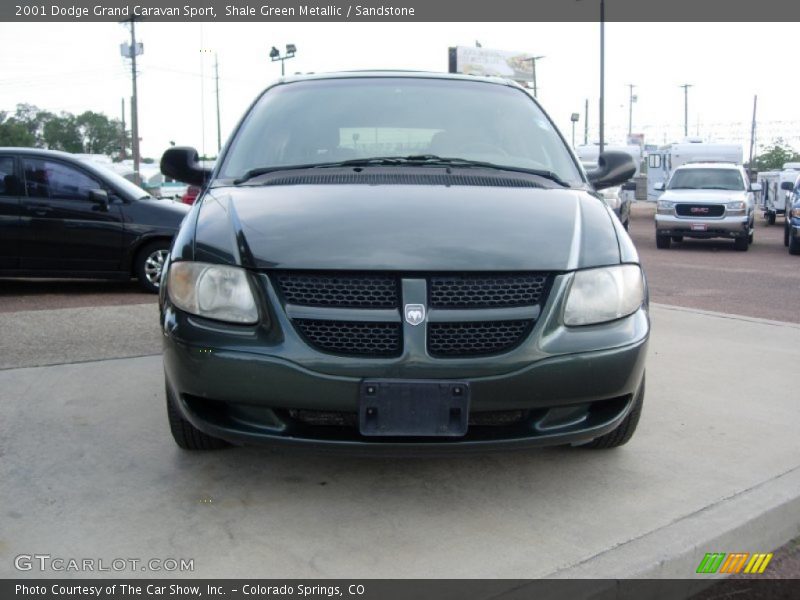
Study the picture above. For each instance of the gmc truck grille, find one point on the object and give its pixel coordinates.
(360, 313)
(699, 210)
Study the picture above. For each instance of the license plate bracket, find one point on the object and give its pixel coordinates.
(699, 227)
(413, 408)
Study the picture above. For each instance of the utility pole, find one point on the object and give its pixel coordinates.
(686, 87)
(602, 73)
(631, 100)
(586, 123)
(122, 141)
(753, 137)
(134, 109)
(533, 60)
(216, 78)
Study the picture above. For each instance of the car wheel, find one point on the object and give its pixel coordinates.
(662, 241)
(794, 245)
(770, 218)
(186, 435)
(741, 244)
(677, 238)
(786, 232)
(624, 431)
(626, 224)
(149, 264)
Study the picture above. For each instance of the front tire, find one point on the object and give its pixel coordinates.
(625, 430)
(149, 263)
(794, 245)
(771, 218)
(663, 242)
(786, 233)
(741, 244)
(186, 435)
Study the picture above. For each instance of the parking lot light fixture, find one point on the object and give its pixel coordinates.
(275, 55)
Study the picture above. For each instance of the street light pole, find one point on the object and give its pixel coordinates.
(134, 109)
(602, 73)
(631, 99)
(686, 87)
(216, 82)
(275, 54)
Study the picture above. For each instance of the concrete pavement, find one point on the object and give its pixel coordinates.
(88, 470)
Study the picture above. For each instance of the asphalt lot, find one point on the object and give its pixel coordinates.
(100, 477)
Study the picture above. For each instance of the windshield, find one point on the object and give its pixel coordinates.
(315, 122)
(706, 179)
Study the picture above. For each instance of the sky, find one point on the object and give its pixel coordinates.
(77, 66)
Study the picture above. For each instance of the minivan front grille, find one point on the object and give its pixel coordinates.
(475, 338)
(355, 290)
(352, 338)
(492, 290)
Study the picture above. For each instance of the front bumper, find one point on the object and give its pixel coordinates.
(729, 226)
(265, 385)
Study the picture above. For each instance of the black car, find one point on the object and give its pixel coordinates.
(63, 217)
(402, 262)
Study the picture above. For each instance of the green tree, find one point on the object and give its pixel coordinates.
(99, 134)
(14, 133)
(61, 133)
(775, 156)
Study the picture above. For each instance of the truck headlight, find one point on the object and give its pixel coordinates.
(213, 291)
(737, 206)
(796, 212)
(604, 294)
(612, 197)
(664, 207)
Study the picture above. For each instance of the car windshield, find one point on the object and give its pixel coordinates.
(706, 179)
(333, 120)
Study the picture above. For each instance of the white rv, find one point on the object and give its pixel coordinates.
(662, 162)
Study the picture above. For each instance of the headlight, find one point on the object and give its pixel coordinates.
(600, 295)
(665, 206)
(212, 291)
(736, 206)
(796, 212)
(611, 196)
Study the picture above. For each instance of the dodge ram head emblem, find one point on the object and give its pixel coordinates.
(415, 314)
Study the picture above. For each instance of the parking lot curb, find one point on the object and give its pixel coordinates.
(722, 315)
(758, 519)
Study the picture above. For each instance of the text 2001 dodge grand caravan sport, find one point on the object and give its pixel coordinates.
(401, 261)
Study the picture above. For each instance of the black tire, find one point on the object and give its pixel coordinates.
(786, 232)
(741, 244)
(625, 430)
(770, 218)
(662, 242)
(148, 264)
(186, 435)
(677, 238)
(626, 224)
(794, 245)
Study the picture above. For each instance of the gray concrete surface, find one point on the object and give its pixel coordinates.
(93, 473)
(46, 337)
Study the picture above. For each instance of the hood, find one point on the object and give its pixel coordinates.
(707, 196)
(404, 228)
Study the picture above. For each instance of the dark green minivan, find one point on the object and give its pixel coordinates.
(397, 261)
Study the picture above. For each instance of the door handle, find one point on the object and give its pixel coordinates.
(40, 210)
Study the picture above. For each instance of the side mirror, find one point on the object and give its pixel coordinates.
(787, 185)
(660, 186)
(755, 187)
(183, 164)
(613, 168)
(100, 199)
(629, 186)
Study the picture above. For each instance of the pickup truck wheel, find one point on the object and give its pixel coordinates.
(786, 232)
(741, 244)
(770, 218)
(794, 246)
(624, 432)
(186, 435)
(662, 242)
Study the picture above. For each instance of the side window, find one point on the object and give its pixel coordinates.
(56, 181)
(8, 181)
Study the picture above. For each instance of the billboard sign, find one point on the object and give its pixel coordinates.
(497, 63)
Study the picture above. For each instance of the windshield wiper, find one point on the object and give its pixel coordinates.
(432, 160)
(411, 160)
